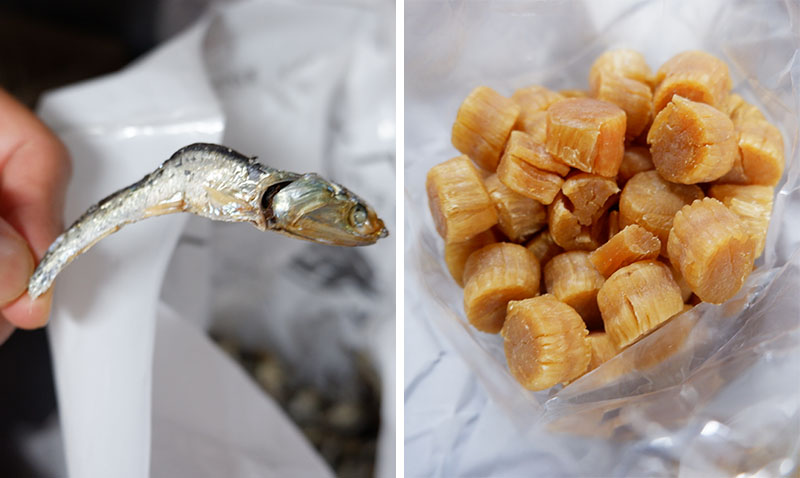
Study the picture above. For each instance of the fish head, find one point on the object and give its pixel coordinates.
(318, 210)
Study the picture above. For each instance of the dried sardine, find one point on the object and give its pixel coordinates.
(221, 184)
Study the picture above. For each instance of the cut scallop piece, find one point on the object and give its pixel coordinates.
(545, 342)
(632, 244)
(482, 126)
(518, 217)
(457, 253)
(590, 195)
(544, 247)
(603, 349)
(636, 299)
(695, 75)
(623, 63)
(634, 97)
(760, 159)
(587, 134)
(459, 203)
(567, 232)
(535, 124)
(572, 279)
(635, 160)
(753, 204)
(528, 180)
(651, 202)
(692, 142)
(495, 275)
(523, 146)
(531, 100)
(712, 248)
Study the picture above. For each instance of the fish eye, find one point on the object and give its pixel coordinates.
(358, 215)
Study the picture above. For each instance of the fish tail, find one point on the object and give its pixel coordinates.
(136, 202)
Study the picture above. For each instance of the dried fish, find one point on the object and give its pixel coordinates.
(219, 183)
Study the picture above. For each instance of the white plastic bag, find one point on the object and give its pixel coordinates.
(727, 400)
(142, 391)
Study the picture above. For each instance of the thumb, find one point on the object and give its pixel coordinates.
(16, 264)
(16, 267)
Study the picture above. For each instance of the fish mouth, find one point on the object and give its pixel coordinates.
(381, 233)
(322, 233)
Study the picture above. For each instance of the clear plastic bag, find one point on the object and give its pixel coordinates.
(715, 392)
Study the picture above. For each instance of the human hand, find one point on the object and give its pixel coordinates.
(34, 170)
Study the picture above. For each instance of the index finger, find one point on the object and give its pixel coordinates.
(34, 169)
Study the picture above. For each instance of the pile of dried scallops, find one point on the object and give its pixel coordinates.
(578, 222)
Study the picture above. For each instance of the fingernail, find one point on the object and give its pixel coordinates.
(26, 314)
(16, 264)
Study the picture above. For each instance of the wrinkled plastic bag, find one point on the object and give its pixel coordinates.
(141, 390)
(726, 398)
